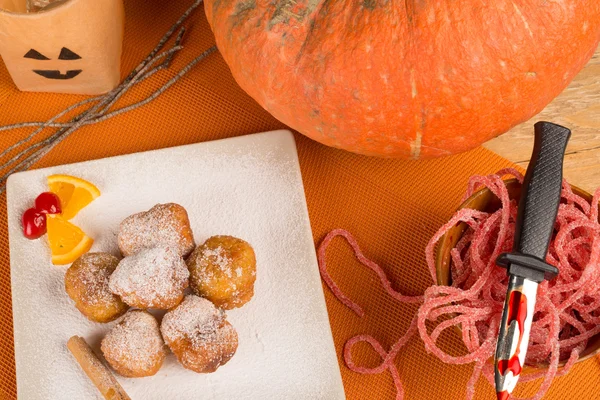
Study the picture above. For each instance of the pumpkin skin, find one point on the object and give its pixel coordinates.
(414, 79)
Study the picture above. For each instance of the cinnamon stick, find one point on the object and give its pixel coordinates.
(98, 373)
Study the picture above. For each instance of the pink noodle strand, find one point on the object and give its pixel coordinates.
(386, 357)
(567, 308)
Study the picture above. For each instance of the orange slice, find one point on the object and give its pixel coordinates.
(67, 242)
(74, 193)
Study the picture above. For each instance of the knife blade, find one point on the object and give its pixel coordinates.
(526, 265)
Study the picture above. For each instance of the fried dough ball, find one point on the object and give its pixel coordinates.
(199, 335)
(162, 225)
(134, 347)
(223, 270)
(86, 283)
(151, 278)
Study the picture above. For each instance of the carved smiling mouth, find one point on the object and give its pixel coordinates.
(55, 74)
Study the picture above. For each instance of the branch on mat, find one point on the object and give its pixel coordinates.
(23, 154)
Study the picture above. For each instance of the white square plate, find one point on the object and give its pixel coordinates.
(249, 187)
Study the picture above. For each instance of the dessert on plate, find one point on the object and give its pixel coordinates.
(162, 225)
(134, 347)
(154, 274)
(199, 335)
(223, 270)
(86, 283)
(151, 278)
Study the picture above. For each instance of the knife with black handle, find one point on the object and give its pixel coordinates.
(526, 265)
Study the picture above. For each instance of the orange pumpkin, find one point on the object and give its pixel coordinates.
(414, 79)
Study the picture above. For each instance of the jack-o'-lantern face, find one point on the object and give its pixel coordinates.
(65, 54)
(73, 48)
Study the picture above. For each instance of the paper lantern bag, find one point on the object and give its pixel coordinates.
(74, 47)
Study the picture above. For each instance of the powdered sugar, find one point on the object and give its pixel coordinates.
(219, 258)
(196, 319)
(134, 343)
(162, 225)
(93, 274)
(199, 335)
(222, 270)
(151, 278)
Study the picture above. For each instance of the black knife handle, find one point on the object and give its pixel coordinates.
(542, 186)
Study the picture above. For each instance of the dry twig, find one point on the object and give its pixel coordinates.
(100, 109)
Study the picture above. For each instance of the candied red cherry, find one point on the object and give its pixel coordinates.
(48, 203)
(34, 223)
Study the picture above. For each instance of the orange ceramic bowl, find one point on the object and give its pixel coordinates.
(485, 200)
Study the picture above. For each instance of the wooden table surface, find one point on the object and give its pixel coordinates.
(577, 108)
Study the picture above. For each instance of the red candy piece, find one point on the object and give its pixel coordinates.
(34, 223)
(48, 203)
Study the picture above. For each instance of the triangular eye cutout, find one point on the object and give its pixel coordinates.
(66, 54)
(36, 55)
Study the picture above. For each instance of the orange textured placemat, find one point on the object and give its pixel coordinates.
(392, 207)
